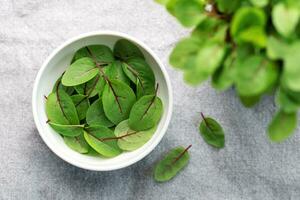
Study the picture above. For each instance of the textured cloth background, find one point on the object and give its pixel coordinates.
(249, 167)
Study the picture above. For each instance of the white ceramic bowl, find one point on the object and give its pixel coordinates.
(54, 66)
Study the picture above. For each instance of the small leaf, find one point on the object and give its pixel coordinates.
(67, 130)
(82, 104)
(77, 143)
(145, 113)
(125, 49)
(131, 140)
(115, 71)
(103, 54)
(171, 164)
(255, 75)
(282, 126)
(276, 49)
(260, 3)
(103, 140)
(285, 18)
(117, 99)
(249, 101)
(212, 132)
(79, 72)
(60, 109)
(226, 7)
(92, 87)
(95, 115)
(140, 73)
(189, 13)
(288, 101)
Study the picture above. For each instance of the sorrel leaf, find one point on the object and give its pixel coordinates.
(117, 99)
(77, 143)
(171, 164)
(115, 71)
(82, 104)
(60, 108)
(96, 116)
(145, 113)
(102, 140)
(103, 54)
(282, 126)
(212, 132)
(67, 130)
(68, 90)
(92, 87)
(125, 49)
(129, 139)
(79, 72)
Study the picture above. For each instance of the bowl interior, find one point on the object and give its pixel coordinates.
(55, 66)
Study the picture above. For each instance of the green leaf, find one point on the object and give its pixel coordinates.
(212, 132)
(285, 19)
(58, 85)
(95, 115)
(171, 164)
(117, 99)
(228, 7)
(125, 49)
(189, 13)
(288, 101)
(82, 104)
(260, 3)
(60, 109)
(145, 113)
(255, 75)
(249, 101)
(248, 25)
(103, 54)
(67, 130)
(115, 71)
(208, 60)
(224, 77)
(277, 49)
(291, 70)
(103, 140)
(79, 72)
(282, 126)
(131, 140)
(92, 87)
(140, 73)
(77, 143)
(185, 52)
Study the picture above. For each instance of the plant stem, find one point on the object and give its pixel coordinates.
(180, 155)
(113, 138)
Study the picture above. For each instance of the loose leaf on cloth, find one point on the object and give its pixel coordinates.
(67, 130)
(282, 126)
(118, 99)
(171, 164)
(92, 87)
(77, 143)
(115, 71)
(103, 54)
(212, 132)
(79, 72)
(285, 18)
(95, 115)
(139, 72)
(255, 75)
(82, 104)
(60, 109)
(145, 113)
(103, 140)
(189, 13)
(125, 49)
(129, 139)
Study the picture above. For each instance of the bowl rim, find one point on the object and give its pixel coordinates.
(139, 156)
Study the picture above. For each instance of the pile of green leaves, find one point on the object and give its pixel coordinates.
(106, 101)
(251, 45)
